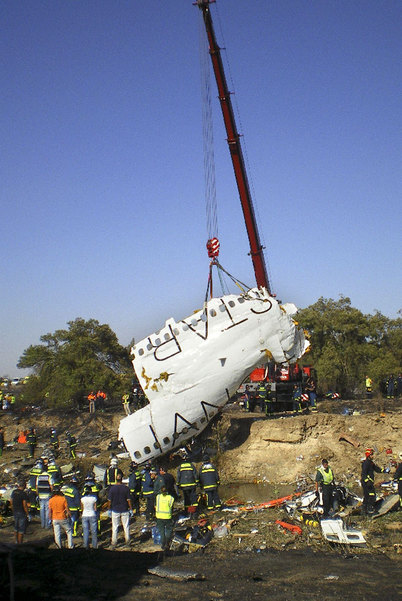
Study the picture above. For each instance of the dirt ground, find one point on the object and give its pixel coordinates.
(257, 559)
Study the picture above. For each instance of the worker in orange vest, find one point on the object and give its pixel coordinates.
(91, 400)
(100, 399)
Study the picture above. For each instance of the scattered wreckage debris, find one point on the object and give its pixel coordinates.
(349, 439)
(290, 527)
(334, 531)
(386, 504)
(267, 504)
(180, 576)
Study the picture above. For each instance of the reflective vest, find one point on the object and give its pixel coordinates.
(134, 482)
(209, 477)
(368, 469)
(55, 474)
(73, 498)
(31, 438)
(95, 488)
(163, 507)
(262, 392)
(111, 475)
(328, 476)
(33, 474)
(54, 440)
(43, 486)
(186, 475)
(147, 484)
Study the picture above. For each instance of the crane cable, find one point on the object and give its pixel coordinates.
(208, 135)
(209, 155)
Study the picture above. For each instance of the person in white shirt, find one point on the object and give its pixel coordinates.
(89, 517)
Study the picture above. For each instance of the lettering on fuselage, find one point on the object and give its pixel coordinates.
(171, 347)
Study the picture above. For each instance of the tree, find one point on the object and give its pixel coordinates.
(346, 344)
(74, 361)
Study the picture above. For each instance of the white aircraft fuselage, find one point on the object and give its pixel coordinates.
(190, 369)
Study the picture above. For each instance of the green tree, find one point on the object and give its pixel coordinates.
(346, 344)
(71, 362)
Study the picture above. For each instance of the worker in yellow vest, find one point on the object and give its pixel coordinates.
(164, 516)
(325, 480)
(369, 387)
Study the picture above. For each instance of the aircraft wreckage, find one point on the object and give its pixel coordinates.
(191, 368)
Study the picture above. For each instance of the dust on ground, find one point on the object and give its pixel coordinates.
(257, 559)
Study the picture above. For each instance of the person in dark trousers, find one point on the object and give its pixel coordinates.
(367, 481)
(159, 482)
(209, 482)
(19, 505)
(170, 482)
(134, 486)
(54, 441)
(187, 481)
(391, 387)
(1, 440)
(55, 473)
(262, 395)
(325, 480)
(164, 516)
(148, 492)
(73, 498)
(111, 473)
(398, 479)
(249, 400)
(31, 441)
(311, 389)
(399, 386)
(72, 443)
(296, 396)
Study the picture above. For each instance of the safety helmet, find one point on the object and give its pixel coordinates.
(114, 462)
(369, 452)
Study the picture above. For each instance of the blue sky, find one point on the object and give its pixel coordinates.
(102, 182)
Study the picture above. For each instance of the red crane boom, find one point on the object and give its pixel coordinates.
(233, 139)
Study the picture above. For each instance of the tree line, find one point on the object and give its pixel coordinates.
(346, 345)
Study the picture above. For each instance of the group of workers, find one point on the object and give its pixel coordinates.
(391, 387)
(326, 485)
(96, 400)
(303, 397)
(63, 504)
(7, 400)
